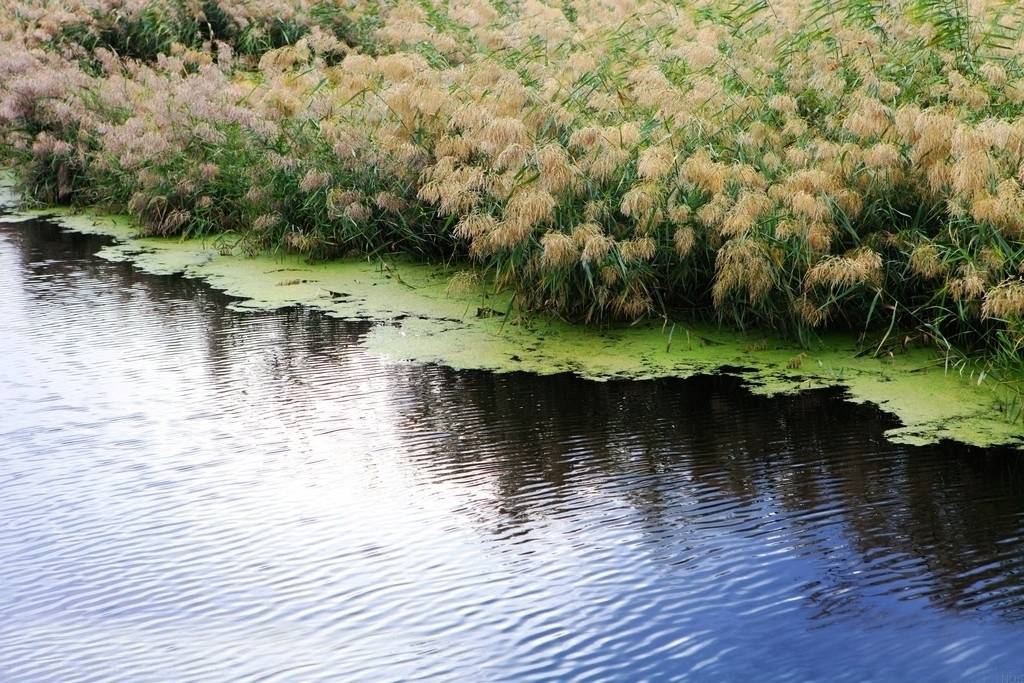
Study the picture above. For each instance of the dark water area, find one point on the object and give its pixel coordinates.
(190, 493)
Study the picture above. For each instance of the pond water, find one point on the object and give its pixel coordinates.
(192, 493)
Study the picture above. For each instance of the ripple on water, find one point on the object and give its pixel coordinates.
(191, 493)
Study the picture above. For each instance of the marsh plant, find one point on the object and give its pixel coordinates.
(797, 165)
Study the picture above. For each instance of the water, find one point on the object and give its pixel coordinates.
(190, 493)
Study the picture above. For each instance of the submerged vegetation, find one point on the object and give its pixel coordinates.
(790, 164)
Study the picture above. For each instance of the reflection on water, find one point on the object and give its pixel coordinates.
(195, 494)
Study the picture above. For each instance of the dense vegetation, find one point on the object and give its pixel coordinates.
(794, 164)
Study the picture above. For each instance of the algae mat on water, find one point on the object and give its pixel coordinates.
(423, 320)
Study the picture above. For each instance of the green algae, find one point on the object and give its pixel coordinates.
(423, 321)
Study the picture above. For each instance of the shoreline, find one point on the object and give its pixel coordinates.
(423, 321)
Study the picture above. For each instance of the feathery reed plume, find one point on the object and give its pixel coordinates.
(811, 314)
(595, 248)
(742, 265)
(530, 207)
(1004, 301)
(926, 261)
(639, 202)
(713, 213)
(744, 214)
(701, 172)
(463, 281)
(861, 266)
(556, 173)
(683, 240)
(559, 251)
(314, 180)
(637, 250)
(655, 163)
(968, 284)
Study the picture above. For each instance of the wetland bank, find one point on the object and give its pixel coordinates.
(427, 321)
(841, 180)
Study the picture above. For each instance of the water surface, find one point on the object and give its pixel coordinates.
(192, 493)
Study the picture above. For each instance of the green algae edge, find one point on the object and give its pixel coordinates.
(423, 322)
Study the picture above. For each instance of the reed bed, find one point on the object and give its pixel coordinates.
(794, 165)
